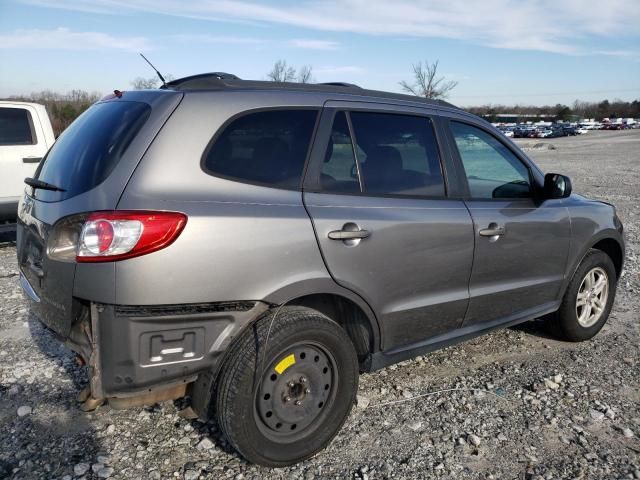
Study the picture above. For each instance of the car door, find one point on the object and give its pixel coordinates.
(521, 243)
(21, 148)
(375, 191)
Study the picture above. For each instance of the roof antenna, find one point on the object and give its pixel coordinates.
(164, 84)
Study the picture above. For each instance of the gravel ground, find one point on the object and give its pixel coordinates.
(520, 404)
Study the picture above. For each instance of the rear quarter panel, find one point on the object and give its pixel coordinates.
(96, 281)
(241, 241)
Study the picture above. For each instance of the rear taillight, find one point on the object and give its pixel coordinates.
(109, 236)
(113, 235)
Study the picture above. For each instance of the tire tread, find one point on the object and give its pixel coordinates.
(241, 360)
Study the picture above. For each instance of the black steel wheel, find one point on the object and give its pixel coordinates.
(281, 403)
(296, 388)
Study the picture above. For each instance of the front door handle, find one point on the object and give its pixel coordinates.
(31, 159)
(493, 230)
(348, 235)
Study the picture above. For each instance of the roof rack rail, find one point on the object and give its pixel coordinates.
(340, 84)
(220, 81)
(203, 80)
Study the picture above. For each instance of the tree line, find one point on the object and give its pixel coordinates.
(579, 110)
(63, 108)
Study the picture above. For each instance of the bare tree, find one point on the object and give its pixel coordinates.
(426, 82)
(305, 74)
(282, 72)
(141, 83)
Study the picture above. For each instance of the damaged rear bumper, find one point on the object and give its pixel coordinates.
(145, 354)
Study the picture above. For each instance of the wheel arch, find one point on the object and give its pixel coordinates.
(348, 315)
(341, 305)
(614, 250)
(608, 241)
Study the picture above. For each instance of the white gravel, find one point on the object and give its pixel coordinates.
(523, 405)
(24, 411)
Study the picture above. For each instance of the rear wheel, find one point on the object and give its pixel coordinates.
(286, 408)
(588, 300)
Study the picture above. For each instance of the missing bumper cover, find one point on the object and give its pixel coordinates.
(149, 348)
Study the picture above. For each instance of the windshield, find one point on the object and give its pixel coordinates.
(87, 151)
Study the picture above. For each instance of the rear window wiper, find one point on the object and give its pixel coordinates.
(35, 183)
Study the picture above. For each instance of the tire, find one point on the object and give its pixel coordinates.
(308, 359)
(570, 322)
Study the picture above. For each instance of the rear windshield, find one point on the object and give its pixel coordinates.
(86, 153)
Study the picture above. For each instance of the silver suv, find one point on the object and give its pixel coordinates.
(255, 245)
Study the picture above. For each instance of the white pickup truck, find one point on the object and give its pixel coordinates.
(25, 137)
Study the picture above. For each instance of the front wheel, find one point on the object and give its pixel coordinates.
(282, 402)
(588, 300)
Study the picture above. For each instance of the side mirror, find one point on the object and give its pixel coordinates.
(556, 186)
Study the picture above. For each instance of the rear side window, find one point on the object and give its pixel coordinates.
(267, 148)
(87, 152)
(397, 154)
(339, 172)
(16, 127)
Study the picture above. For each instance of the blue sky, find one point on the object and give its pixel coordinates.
(500, 51)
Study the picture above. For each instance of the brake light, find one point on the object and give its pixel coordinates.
(117, 235)
(111, 96)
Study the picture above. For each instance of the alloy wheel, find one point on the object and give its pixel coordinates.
(592, 297)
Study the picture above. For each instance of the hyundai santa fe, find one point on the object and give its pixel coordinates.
(255, 245)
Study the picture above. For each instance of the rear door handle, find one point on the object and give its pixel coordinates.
(348, 235)
(493, 230)
(31, 159)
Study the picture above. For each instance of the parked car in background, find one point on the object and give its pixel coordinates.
(524, 131)
(256, 245)
(25, 137)
(582, 130)
(507, 131)
(534, 133)
(547, 133)
(519, 132)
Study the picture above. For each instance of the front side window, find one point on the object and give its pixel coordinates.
(492, 170)
(398, 154)
(16, 127)
(268, 147)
